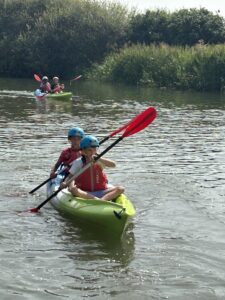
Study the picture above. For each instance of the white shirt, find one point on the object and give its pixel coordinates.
(78, 164)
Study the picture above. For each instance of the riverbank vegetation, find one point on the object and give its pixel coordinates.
(57, 36)
(201, 67)
(184, 49)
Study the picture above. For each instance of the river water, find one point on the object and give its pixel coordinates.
(173, 171)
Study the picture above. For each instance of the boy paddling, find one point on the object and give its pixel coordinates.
(93, 182)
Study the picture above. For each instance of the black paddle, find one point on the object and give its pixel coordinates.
(46, 181)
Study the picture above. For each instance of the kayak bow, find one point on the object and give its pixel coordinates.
(64, 96)
(112, 216)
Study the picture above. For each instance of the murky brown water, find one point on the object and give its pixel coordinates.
(173, 171)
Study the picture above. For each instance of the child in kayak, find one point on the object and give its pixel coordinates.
(56, 87)
(71, 153)
(45, 86)
(93, 182)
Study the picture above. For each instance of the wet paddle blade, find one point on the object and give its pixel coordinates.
(114, 133)
(120, 129)
(141, 121)
(134, 120)
(33, 210)
(76, 78)
(36, 209)
(37, 78)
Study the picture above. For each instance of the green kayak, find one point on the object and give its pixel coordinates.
(113, 216)
(60, 96)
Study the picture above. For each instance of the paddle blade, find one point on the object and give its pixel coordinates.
(141, 121)
(36, 209)
(37, 78)
(30, 210)
(114, 133)
(120, 129)
(127, 124)
(33, 210)
(76, 78)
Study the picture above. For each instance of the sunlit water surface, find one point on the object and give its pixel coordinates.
(173, 171)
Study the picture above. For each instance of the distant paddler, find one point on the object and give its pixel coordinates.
(45, 86)
(56, 87)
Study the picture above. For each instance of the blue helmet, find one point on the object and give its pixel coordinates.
(76, 131)
(89, 141)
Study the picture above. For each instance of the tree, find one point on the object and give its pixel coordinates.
(191, 26)
(151, 27)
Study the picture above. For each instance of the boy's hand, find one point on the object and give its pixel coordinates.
(53, 175)
(63, 185)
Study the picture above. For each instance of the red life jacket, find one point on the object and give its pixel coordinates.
(68, 155)
(93, 179)
(45, 87)
(57, 89)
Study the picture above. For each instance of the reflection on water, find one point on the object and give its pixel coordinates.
(99, 244)
(48, 106)
(173, 172)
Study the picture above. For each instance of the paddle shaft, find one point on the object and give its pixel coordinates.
(40, 185)
(112, 134)
(117, 130)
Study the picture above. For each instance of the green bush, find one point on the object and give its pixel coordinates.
(58, 36)
(200, 67)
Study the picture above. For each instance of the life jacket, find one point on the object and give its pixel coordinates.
(45, 87)
(93, 179)
(68, 155)
(56, 88)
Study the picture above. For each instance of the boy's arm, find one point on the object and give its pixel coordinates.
(106, 162)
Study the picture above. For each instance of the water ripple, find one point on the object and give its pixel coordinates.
(173, 171)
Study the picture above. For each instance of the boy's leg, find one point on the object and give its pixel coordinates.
(113, 193)
(80, 193)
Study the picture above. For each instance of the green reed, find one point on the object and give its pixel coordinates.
(201, 67)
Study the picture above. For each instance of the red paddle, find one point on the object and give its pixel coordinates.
(136, 125)
(37, 78)
(75, 78)
(124, 126)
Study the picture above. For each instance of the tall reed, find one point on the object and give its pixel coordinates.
(201, 67)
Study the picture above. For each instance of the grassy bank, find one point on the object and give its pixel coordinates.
(201, 67)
